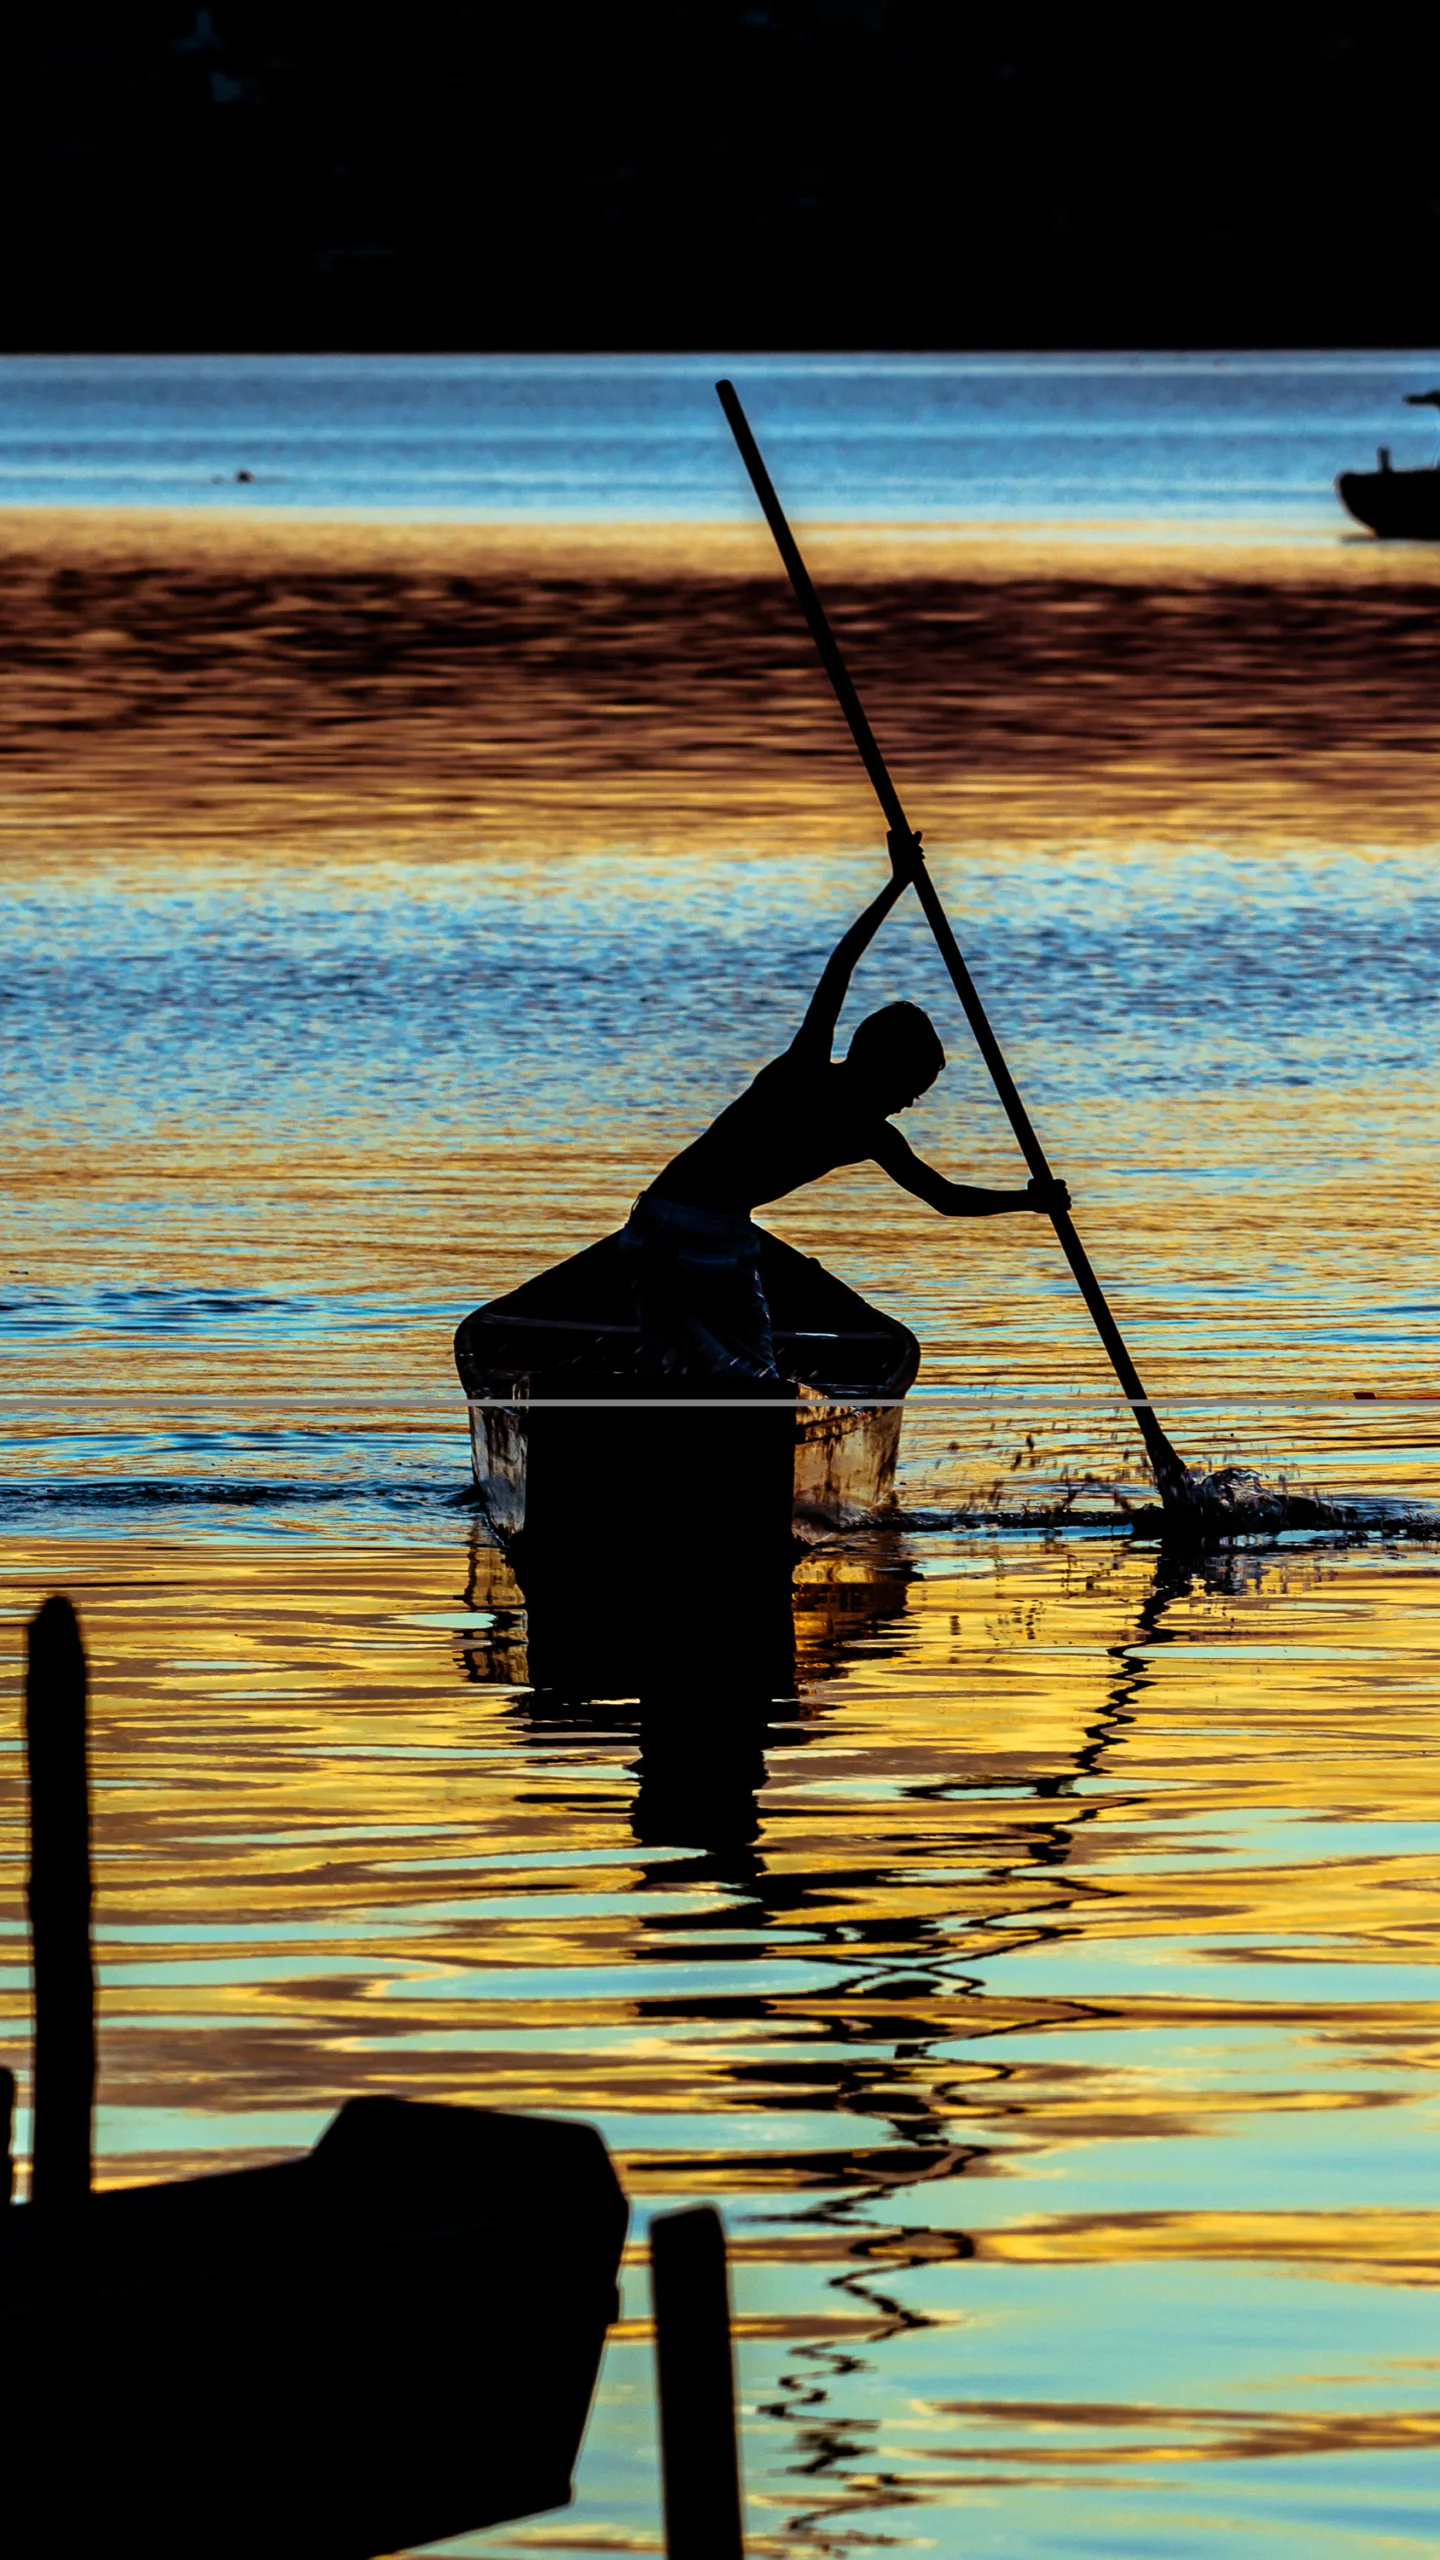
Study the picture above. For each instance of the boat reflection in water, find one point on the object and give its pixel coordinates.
(710, 1666)
(707, 1665)
(719, 1686)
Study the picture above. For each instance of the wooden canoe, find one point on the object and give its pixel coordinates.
(568, 1441)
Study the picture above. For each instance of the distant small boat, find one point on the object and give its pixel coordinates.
(571, 1445)
(1402, 505)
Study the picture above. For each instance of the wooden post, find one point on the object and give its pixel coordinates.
(699, 2454)
(64, 2081)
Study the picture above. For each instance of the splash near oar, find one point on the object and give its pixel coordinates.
(1180, 1491)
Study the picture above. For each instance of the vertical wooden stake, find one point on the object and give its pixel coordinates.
(64, 2084)
(699, 2454)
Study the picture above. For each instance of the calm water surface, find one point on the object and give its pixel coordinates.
(1035, 1966)
(1253, 436)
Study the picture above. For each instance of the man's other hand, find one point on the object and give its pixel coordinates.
(906, 857)
(1048, 1197)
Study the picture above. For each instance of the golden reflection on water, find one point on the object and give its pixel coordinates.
(1043, 1990)
(198, 677)
(389, 1238)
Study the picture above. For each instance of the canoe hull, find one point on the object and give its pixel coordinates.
(569, 1443)
(553, 1471)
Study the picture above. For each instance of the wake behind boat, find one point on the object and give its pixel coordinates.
(571, 1442)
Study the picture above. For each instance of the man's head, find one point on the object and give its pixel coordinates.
(894, 1055)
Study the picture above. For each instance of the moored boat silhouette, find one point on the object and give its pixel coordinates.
(1401, 505)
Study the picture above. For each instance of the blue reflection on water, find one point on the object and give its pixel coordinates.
(1191, 436)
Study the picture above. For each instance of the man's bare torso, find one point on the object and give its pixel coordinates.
(799, 1119)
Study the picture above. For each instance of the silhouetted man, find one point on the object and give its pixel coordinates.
(693, 1248)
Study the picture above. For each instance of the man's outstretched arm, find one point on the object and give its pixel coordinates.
(959, 1199)
(817, 1031)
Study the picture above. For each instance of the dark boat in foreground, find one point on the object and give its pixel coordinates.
(391, 2340)
(570, 1443)
(1402, 505)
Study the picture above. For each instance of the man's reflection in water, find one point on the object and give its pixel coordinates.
(708, 1668)
(900, 2042)
(906, 2029)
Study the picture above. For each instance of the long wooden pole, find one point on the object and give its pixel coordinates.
(1171, 1474)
